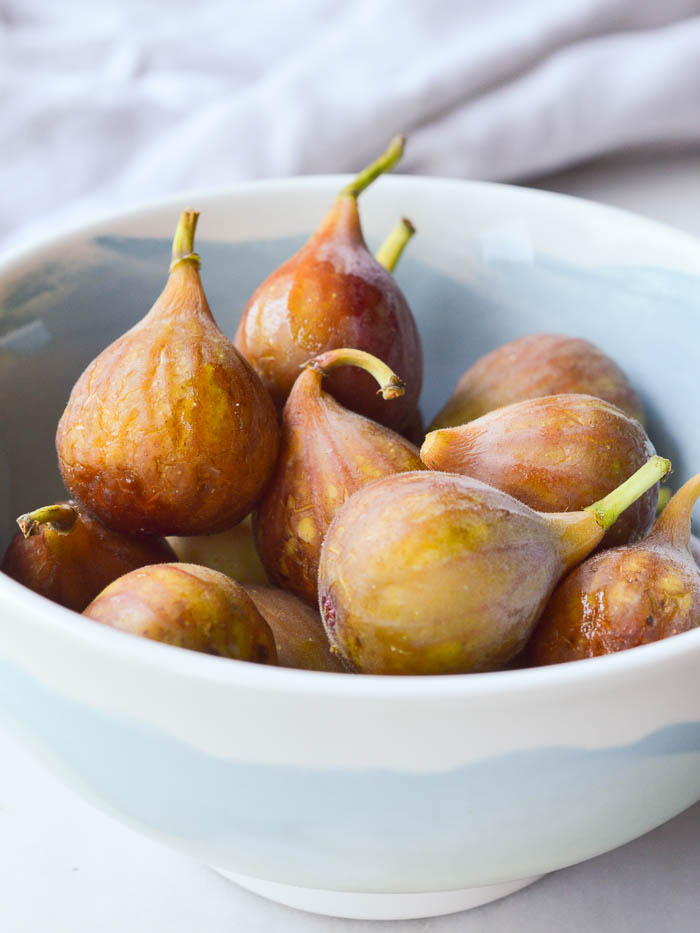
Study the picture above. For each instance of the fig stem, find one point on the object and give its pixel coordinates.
(390, 386)
(664, 499)
(63, 515)
(183, 241)
(608, 509)
(390, 251)
(386, 160)
(674, 521)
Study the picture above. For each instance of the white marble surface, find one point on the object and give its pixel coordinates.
(66, 868)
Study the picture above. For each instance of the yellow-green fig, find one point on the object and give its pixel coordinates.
(187, 606)
(435, 573)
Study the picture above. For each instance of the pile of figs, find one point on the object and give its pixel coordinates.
(275, 499)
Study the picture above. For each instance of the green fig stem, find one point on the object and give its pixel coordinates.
(664, 499)
(609, 509)
(674, 522)
(183, 242)
(386, 161)
(62, 515)
(390, 251)
(390, 384)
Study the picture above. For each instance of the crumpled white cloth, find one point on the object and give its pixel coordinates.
(106, 103)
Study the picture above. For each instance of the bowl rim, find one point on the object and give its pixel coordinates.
(627, 664)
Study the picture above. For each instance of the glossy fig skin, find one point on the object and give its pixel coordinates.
(536, 365)
(71, 566)
(300, 638)
(556, 453)
(327, 453)
(169, 431)
(187, 606)
(334, 293)
(434, 573)
(231, 552)
(616, 600)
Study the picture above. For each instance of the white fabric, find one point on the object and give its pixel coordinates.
(108, 103)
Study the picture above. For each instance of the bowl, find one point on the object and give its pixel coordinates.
(358, 796)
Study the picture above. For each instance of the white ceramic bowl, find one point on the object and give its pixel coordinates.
(359, 796)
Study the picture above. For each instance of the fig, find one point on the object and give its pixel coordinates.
(327, 453)
(300, 638)
(333, 293)
(555, 453)
(540, 364)
(627, 596)
(67, 556)
(436, 573)
(187, 606)
(169, 431)
(232, 552)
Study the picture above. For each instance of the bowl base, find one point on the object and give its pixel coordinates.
(353, 905)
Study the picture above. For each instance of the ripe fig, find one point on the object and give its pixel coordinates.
(169, 431)
(232, 552)
(300, 638)
(187, 606)
(540, 364)
(332, 294)
(555, 453)
(69, 557)
(627, 596)
(435, 573)
(327, 453)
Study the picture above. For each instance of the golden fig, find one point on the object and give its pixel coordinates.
(555, 453)
(69, 557)
(627, 596)
(327, 453)
(187, 606)
(169, 431)
(300, 638)
(435, 573)
(541, 364)
(231, 552)
(332, 294)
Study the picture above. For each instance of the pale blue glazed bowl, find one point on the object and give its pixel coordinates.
(359, 796)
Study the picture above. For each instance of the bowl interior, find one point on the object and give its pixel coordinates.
(489, 263)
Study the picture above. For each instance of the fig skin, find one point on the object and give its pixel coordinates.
(300, 638)
(187, 606)
(556, 453)
(71, 561)
(435, 573)
(333, 293)
(627, 596)
(327, 453)
(536, 365)
(414, 429)
(231, 552)
(169, 431)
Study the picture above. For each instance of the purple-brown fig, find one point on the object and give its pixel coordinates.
(332, 294)
(435, 573)
(327, 453)
(187, 606)
(556, 453)
(169, 431)
(540, 364)
(69, 557)
(232, 552)
(300, 638)
(627, 596)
